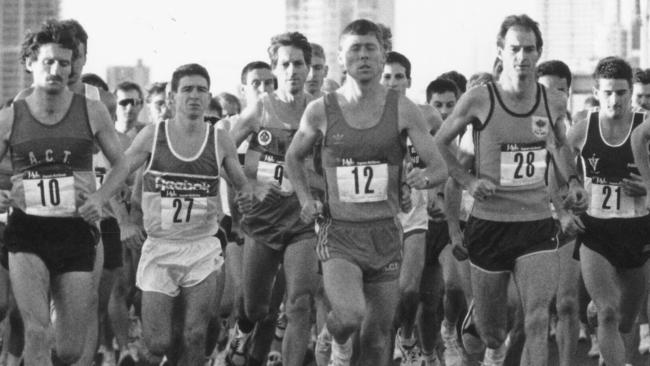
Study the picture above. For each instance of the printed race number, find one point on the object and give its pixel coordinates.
(362, 183)
(273, 172)
(521, 166)
(609, 200)
(50, 196)
(182, 210)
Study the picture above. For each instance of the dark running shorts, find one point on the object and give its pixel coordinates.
(437, 238)
(495, 246)
(63, 244)
(112, 244)
(375, 247)
(277, 225)
(625, 243)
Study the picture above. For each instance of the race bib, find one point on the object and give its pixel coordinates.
(609, 201)
(183, 200)
(362, 183)
(413, 154)
(272, 170)
(522, 164)
(51, 195)
(180, 211)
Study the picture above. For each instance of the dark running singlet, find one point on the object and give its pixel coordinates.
(605, 168)
(362, 167)
(180, 196)
(52, 164)
(510, 151)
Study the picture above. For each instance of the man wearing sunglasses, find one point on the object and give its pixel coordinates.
(129, 104)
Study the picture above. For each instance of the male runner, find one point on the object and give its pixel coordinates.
(416, 283)
(317, 71)
(180, 196)
(360, 240)
(510, 230)
(641, 90)
(129, 104)
(616, 225)
(274, 232)
(157, 102)
(51, 136)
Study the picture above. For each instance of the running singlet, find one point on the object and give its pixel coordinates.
(362, 167)
(510, 151)
(52, 164)
(180, 196)
(264, 159)
(605, 167)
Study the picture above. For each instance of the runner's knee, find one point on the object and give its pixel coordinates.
(536, 322)
(608, 315)
(194, 337)
(567, 306)
(298, 307)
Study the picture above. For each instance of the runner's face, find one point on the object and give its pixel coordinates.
(614, 96)
(158, 109)
(129, 105)
(444, 103)
(291, 69)
(553, 82)
(394, 77)
(317, 73)
(362, 56)
(641, 95)
(258, 81)
(78, 65)
(192, 97)
(51, 68)
(519, 53)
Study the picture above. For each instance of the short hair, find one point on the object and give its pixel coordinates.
(458, 79)
(188, 70)
(156, 88)
(95, 80)
(386, 36)
(555, 68)
(293, 39)
(613, 67)
(364, 27)
(479, 78)
(214, 105)
(523, 21)
(229, 98)
(52, 31)
(253, 66)
(397, 58)
(126, 86)
(642, 76)
(441, 85)
(317, 50)
(79, 32)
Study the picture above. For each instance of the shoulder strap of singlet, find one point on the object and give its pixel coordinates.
(160, 131)
(546, 108)
(638, 118)
(333, 112)
(476, 124)
(217, 156)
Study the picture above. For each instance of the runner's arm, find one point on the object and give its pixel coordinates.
(640, 139)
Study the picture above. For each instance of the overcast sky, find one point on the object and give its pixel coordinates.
(223, 35)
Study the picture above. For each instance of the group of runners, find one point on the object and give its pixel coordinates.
(340, 224)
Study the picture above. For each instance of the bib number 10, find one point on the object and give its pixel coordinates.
(51, 190)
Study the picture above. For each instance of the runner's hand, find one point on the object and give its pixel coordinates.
(245, 201)
(311, 210)
(634, 186)
(417, 178)
(481, 189)
(92, 207)
(458, 248)
(571, 224)
(268, 193)
(5, 200)
(576, 199)
(405, 199)
(132, 235)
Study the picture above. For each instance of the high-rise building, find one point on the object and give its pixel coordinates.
(321, 21)
(138, 74)
(16, 18)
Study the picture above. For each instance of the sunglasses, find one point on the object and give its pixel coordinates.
(132, 101)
